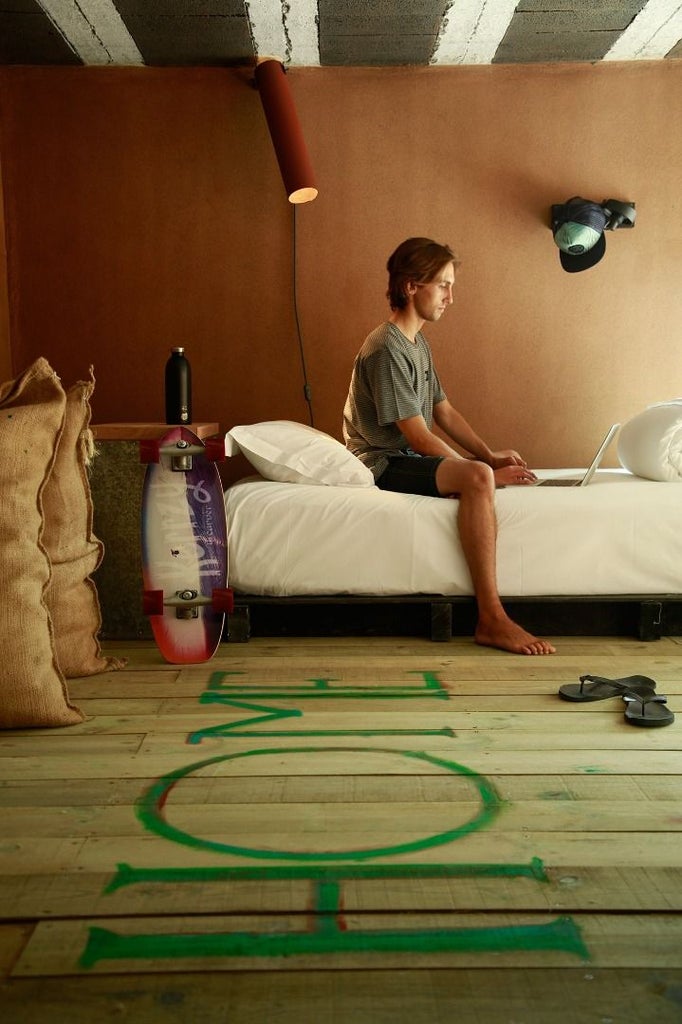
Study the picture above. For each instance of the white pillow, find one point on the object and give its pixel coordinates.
(650, 444)
(294, 453)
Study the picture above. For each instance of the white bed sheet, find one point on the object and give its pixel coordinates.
(619, 535)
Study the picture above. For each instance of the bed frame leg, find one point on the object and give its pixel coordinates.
(650, 620)
(441, 621)
(238, 625)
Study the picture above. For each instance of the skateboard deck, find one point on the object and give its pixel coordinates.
(184, 546)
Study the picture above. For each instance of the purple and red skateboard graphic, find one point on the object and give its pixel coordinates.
(184, 545)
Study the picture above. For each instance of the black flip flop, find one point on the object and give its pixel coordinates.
(600, 688)
(650, 712)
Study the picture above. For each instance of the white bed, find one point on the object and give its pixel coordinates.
(315, 531)
(620, 535)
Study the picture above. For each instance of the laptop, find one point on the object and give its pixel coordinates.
(589, 473)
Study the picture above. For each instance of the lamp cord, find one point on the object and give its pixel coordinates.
(307, 391)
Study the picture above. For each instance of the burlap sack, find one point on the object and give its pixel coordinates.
(71, 546)
(32, 687)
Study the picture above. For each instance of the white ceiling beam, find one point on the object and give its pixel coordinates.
(285, 30)
(93, 29)
(651, 34)
(267, 28)
(472, 31)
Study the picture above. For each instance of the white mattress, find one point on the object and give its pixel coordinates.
(618, 535)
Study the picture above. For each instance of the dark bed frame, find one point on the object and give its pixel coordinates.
(644, 616)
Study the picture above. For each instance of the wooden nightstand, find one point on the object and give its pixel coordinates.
(116, 478)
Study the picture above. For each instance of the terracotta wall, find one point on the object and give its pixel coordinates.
(5, 354)
(144, 209)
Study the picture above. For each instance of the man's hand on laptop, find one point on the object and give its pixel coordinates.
(514, 474)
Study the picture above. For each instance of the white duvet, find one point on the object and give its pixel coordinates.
(619, 535)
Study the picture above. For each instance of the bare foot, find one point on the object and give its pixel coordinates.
(509, 636)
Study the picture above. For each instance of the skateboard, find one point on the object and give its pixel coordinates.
(184, 545)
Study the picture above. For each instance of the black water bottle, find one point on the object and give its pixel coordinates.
(178, 388)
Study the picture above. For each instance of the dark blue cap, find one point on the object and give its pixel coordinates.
(579, 233)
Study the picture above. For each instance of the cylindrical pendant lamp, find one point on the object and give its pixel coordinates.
(285, 131)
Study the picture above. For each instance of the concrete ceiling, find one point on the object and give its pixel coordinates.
(309, 33)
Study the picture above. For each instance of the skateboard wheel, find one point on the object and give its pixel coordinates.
(223, 600)
(149, 451)
(152, 602)
(215, 449)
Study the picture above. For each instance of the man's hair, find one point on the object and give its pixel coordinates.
(418, 260)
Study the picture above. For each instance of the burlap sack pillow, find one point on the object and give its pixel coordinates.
(73, 550)
(32, 687)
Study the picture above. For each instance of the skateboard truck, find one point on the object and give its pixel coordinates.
(182, 462)
(181, 452)
(187, 602)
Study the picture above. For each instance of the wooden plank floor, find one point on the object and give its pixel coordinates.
(347, 830)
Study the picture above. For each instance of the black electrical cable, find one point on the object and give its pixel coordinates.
(307, 390)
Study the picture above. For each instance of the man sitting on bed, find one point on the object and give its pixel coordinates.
(394, 397)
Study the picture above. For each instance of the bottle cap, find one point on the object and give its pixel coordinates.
(177, 350)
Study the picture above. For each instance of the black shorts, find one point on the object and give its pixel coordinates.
(411, 474)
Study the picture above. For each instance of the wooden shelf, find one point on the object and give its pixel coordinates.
(146, 431)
